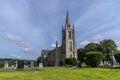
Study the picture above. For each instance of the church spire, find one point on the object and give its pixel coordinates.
(56, 43)
(67, 19)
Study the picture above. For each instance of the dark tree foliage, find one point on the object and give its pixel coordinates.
(117, 56)
(89, 47)
(93, 59)
(2, 64)
(93, 47)
(108, 46)
(70, 61)
(35, 63)
(81, 54)
(62, 62)
(38, 60)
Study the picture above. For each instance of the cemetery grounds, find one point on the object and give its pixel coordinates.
(61, 73)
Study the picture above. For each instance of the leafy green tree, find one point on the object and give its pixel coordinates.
(93, 59)
(38, 60)
(117, 56)
(62, 62)
(2, 64)
(81, 54)
(108, 46)
(70, 61)
(89, 47)
(93, 47)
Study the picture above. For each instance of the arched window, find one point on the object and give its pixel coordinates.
(70, 46)
(70, 35)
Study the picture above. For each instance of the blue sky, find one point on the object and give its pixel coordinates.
(28, 26)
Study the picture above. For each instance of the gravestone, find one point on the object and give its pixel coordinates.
(6, 65)
(113, 60)
(32, 64)
(40, 65)
(101, 63)
(19, 64)
(26, 66)
(79, 64)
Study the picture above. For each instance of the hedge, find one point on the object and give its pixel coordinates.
(70, 61)
(93, 59)
(117, 57)
(62, 62)
(2, 64)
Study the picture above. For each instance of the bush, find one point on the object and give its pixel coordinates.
(93, 59)
(2, 64)
(70, 61)
(62, 62)
(117, 57)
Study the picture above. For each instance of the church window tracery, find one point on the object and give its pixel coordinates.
(70, 46)
(70, 35)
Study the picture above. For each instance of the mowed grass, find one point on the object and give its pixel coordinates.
(61, 73)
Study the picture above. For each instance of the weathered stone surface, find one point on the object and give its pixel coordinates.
(66, 50)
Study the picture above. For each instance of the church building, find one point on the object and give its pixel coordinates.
(66, 50)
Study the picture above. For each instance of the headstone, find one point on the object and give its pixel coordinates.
(101, 63)
(26, 66)
(6, 65)
(40, 65)
(106, 63)
(32, 64)
(79, 64)
(19, 64)
(16, 64)
(113, 60)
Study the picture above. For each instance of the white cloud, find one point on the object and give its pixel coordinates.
(83, 43)
(24, 46)
(28, 50)
(95, 41)
(97, 37)
(15, 56)
(53, 45)
(13, 38)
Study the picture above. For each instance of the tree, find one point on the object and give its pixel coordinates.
(38, 60)
(108, 46)
(2, 64)
(93, 47)
(81, 54)
(117, 56)
(89, 47)
(62, 62)
(93, 59)
(70, 61)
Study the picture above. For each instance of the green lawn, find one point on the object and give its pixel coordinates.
(60, 73)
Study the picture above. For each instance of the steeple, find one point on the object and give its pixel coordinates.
(56, 43)
(62, 28)
(73, 27)
(67, 19)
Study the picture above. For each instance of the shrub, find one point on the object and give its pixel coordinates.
(71, 61)
(62, 62)
(2, 64)
(117, 57)
(93, 59)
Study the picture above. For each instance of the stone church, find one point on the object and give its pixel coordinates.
(66, 50)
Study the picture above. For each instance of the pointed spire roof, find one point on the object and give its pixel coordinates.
(73, 27)
(56, 43)
(67, 18)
